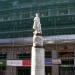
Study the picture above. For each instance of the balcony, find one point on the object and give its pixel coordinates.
(55, 25)
(9, 5)
(54, 2)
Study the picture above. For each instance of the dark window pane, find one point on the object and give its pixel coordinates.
(47, 54)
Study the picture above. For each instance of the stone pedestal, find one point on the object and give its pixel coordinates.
(11, 70)
(37, 65)
(55, 67)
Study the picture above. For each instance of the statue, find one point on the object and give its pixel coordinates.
(37, 25)
(37, 39)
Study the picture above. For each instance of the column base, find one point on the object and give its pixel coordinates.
(38, 61)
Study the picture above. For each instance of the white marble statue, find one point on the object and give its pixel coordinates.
(37, 39)
(37, 25)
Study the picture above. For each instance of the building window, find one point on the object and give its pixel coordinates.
(24, 55)
(3, 55)
(1, 18)
(72, 10)
(42, 0)
(32, 14)
(67, 63)
(25, 15)
(66, 54)
(66, 70)
(15, 3)
(43, 12)
(67, 58)
(62, 11)
(48, 54)
(48, 70)
(2, 70)
(26, 1)
(52, 12)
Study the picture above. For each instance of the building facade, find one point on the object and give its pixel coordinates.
(58, 27)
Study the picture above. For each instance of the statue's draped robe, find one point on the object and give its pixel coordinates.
(37, 25)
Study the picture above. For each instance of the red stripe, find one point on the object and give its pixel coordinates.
(26, 62)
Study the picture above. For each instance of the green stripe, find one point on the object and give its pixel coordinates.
(2, 62)
(67, 65)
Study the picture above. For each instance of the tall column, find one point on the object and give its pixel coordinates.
(11, 55)
(37, 61)
(74, 57)
(37, 58)
(74, 62)
(55, 68)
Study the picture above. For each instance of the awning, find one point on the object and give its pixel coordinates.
(28, 40)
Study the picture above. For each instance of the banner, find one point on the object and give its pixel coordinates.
(56, 61)
(14, 62)
(26, 62)
(48, 61)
